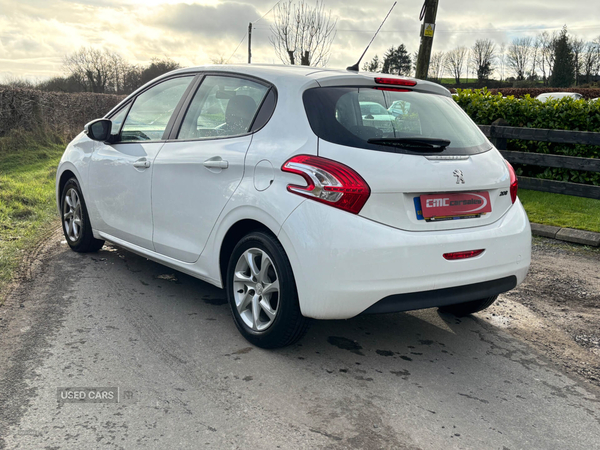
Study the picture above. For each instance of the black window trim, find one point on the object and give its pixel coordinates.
(172, 136)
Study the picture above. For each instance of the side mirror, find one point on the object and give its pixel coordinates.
(98, 130)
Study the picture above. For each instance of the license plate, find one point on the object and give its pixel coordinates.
(453, 205)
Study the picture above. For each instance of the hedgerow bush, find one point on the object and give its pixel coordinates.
(59, 113)
(485, 107)
(588, 93)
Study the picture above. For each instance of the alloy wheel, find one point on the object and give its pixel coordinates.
(256, 289)
(72, 215)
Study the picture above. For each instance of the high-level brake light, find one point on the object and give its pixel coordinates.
(395, 81)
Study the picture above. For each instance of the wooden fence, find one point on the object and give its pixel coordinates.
(499, 134)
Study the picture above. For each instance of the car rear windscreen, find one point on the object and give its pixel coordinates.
(351, 116)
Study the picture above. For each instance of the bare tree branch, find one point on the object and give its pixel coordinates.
(302, 34)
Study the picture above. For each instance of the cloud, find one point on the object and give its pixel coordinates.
(211, 22)
(36, 34)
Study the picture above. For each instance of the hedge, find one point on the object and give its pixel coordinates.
(61, 113)
(588, 93)
(484, 107)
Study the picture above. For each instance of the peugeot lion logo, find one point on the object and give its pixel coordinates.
(459, 176)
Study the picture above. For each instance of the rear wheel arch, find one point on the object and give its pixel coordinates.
(235, 233)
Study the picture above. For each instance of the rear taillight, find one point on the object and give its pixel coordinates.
(463, 255)
(395, 81)
(514, 183)
(328, 182)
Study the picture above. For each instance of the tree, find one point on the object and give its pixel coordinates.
(578, 49)
(455, 61)
(502, 60)
(91, 67)
(372, 66)
(591, 60)
(301, 34)
(397, 61)
(483, 54)
(545, 55)
(61, 84)
(436, 66)
(563, 71)
(519, 56)
(157, 68)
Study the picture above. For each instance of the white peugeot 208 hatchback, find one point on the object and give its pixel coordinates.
(272, 183)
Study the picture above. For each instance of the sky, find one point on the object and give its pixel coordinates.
(35, 35)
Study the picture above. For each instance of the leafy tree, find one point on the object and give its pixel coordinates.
(372, 66)
(397, 61)
(563, 72)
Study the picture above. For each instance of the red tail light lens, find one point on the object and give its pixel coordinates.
(514, 183)
(395, 81)
(328, 182)
(463, 255)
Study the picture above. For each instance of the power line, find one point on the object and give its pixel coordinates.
(272, 8)
(477, 30)
(244, 37)
(236, 49)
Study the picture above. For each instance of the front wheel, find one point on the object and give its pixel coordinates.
(75, 220)
(262, 293)
(464, 309)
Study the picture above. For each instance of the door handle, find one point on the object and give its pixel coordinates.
(216, 163)
(142, 163)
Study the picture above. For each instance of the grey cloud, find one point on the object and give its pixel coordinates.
(214, 22)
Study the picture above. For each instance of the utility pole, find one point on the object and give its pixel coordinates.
(249, 42)
(429, 14)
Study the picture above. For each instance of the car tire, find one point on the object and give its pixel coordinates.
(464, 309)
(75, 220)
(262, 293)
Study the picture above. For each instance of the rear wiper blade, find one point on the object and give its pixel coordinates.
(413, 143)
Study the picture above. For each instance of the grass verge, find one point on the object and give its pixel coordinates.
(561, 210)
(27, 202)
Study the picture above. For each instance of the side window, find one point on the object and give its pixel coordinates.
(221, 107)
(151, 110)
(117, 120)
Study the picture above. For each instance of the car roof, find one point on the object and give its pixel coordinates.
(325, 77)
(302, 76)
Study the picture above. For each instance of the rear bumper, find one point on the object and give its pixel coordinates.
(442, 297)
(345, 264)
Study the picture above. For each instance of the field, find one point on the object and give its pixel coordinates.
(27, 203)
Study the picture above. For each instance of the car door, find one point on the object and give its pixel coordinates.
(196, 173)
(120, 174)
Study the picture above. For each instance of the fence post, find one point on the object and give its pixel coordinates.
(499, 143)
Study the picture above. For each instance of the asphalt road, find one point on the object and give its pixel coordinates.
(187, 379)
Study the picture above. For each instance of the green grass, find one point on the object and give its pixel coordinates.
(561, 210)
(462, 80)
(27, 202)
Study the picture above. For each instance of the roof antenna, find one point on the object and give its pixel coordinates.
(354, 68)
